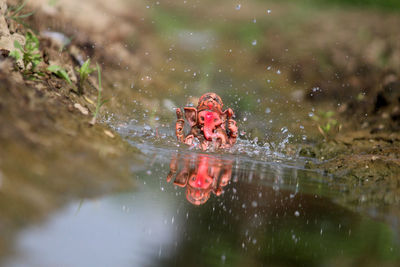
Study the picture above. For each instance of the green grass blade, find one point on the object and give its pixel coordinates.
(19, 8)
(25, 15)
(99, 75)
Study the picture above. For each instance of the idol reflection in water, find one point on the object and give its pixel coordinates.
(201, 174)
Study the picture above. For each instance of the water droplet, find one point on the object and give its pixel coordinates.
(267, 110)
(223, 257)
(278, 72)
(297, 213)
(254, 42)
(269, 11)
(238, 6)
(254, 204)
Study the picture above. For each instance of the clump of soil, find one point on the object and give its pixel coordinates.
(367, 164)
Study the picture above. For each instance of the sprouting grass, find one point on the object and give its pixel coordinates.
(384, 4)
(84, 72)
(327, 125)
(52, 2)
(60, 72)
(29, 53)
(14, 13)
(100, 102)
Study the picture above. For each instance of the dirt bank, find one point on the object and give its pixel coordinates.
(49, 152)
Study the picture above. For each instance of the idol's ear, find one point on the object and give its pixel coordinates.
(228, 114)
(191, 115)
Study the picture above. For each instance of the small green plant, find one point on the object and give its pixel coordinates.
(13, 12)
(84, 72)
(52, 2)
(100, 102)
(29, 53)
(60, 72)
(327, 125)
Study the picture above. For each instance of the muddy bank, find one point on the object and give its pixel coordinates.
(50, 153)
(368, 164)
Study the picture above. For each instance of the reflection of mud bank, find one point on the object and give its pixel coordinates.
(263, 218)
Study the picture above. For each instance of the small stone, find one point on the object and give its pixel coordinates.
(70, 108)
(365, 125)
(83, 110)
(109, 134)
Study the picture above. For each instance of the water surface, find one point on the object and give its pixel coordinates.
(251, 212)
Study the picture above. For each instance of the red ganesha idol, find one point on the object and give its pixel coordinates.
(208, 124)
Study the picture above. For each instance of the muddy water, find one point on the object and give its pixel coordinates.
(212, 209)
